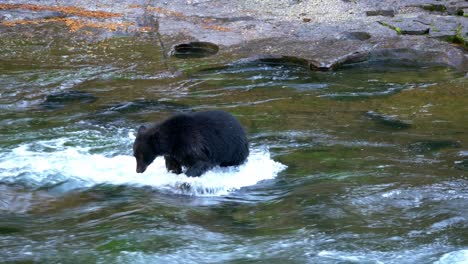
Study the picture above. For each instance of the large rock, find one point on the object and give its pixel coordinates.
(318, 32)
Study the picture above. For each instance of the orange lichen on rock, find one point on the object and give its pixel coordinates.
(165, 11)
(208, 20)
(72, 24)
(217, 28)
(145, 29)
(135, 6)
(70, 10)
(31, 22)
(110, 26)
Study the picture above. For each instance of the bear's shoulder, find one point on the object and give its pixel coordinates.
(177, 122)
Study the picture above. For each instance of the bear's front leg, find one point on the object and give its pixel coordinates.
(172, 165)
(198, 168)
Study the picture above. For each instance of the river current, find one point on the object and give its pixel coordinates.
(365, 164)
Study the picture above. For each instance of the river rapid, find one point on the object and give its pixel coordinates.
(365, 164)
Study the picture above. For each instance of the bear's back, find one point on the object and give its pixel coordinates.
(216, 134)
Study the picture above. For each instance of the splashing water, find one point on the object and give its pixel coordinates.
(76, 163)
(455, 257)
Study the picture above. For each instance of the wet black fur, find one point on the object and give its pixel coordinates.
(198, 141)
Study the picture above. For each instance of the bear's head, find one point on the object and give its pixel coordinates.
(144, 148)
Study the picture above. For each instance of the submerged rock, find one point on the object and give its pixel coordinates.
(6, 230)
(59, 100)
(462, 164)
(284, 60)
(194, 50)
(388, 121)
(433, 145)
(139, 105)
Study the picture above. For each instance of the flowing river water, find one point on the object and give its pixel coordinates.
(365, 164)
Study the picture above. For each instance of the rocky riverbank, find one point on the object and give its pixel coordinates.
(321, 35)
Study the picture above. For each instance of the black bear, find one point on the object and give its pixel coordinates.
(198, 141)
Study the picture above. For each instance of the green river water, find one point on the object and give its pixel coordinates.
(365, 164)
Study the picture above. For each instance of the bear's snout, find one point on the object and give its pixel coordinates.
(140, 168)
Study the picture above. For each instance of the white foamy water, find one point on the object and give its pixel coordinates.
(455, 257)
(75, 163)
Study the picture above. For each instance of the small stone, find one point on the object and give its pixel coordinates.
(416, 32)
(306, 19)
(388, 13)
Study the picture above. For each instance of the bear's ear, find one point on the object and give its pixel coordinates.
(141, 129)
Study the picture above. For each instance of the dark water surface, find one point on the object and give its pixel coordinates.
(367, 164)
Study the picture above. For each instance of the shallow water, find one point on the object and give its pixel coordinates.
(367, 164)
